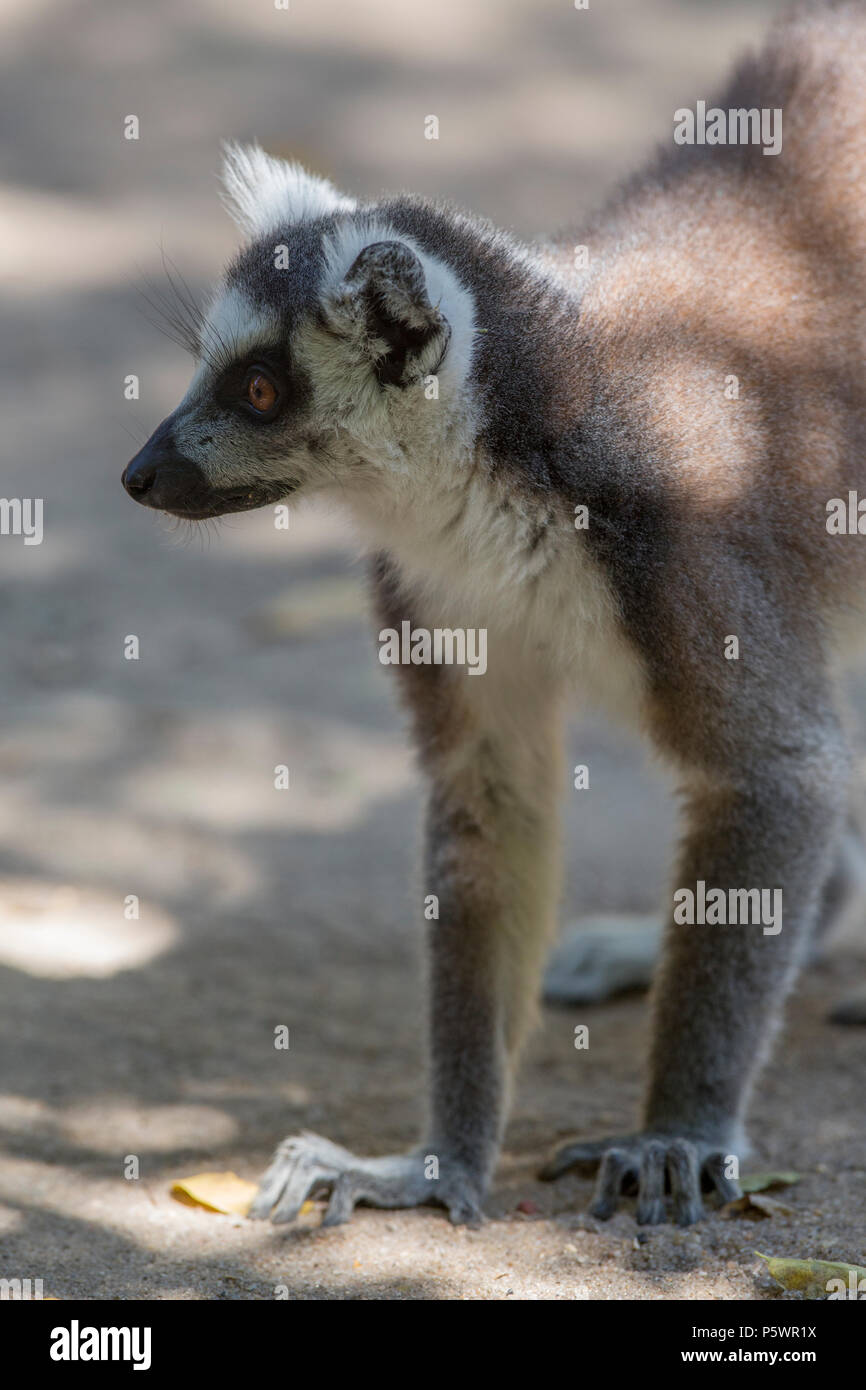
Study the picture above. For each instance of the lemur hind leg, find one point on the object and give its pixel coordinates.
(490, 747)
(770, 819)
(598, 958)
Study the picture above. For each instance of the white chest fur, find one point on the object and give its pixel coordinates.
(481, 554)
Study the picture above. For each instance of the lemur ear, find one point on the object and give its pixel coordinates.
(383, 305)
(262, 193)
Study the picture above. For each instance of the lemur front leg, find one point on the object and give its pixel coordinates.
(770, 824)
(489, 744)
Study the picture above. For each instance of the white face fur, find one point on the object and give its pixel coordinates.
(334, 354)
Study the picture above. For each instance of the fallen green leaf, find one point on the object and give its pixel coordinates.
(765, 1182)
(813, 1277)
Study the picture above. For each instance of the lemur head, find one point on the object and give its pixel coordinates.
(317, 358)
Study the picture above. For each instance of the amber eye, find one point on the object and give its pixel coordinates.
(260, 393)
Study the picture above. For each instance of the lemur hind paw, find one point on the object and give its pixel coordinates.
(305, 1165)
(649, 1164)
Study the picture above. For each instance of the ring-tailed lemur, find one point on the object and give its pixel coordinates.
(557, 454)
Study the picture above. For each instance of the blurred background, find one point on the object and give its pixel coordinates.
(152, 780)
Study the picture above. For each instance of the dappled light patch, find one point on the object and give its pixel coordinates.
(60, 932)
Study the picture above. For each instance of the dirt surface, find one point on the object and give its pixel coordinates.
(153, 1036)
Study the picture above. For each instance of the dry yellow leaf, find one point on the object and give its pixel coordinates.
(223, 1192)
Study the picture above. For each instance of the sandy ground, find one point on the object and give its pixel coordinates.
(153, 1036)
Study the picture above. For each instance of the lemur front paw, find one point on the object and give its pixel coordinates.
(650, 1165)
(305, 1165)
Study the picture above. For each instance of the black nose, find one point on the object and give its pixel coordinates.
(140, 473)
(164, 479)
(138, 476)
